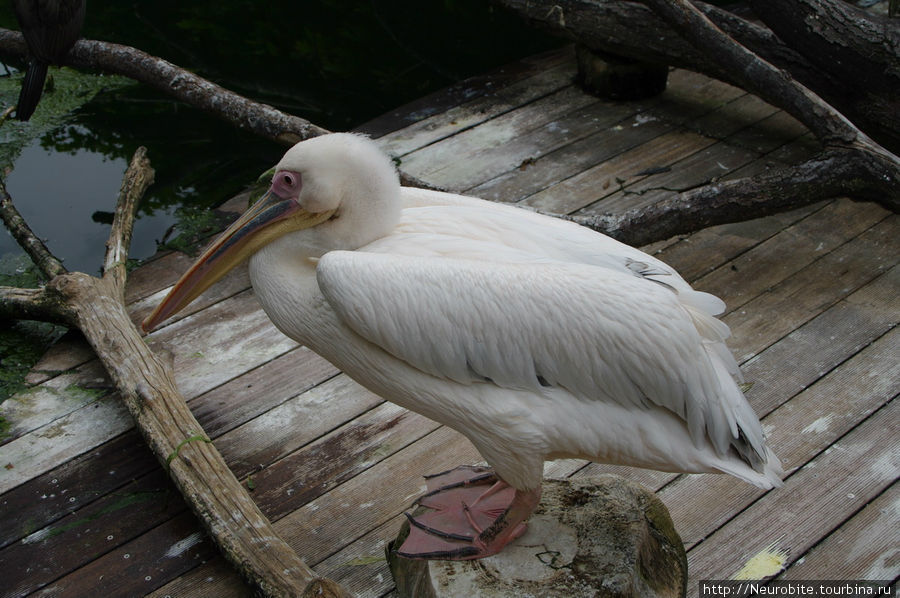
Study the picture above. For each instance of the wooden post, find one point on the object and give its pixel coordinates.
(590, 536)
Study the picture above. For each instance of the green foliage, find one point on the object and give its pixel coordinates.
(22, 343)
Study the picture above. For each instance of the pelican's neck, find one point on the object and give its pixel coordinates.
(286, 287)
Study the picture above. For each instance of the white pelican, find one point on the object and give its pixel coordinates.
(534, 337)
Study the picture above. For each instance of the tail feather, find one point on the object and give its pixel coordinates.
(32, 88)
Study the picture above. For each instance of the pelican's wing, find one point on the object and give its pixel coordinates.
(598, 333)
(447, 213)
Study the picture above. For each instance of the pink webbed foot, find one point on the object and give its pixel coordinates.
(473, 514)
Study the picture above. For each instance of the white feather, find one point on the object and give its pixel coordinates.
(534, 337)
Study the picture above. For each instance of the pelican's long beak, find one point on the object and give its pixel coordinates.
(267, 219)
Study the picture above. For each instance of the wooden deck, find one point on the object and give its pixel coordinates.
(812, 303)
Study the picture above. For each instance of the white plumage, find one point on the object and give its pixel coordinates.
(534, 337)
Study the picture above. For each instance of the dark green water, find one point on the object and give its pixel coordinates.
(336, 63)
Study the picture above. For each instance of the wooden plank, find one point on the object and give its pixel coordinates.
(745, 112)
(806, 293)
(770, 134)
(436, 162)
(694, 170)
(361, 567)
(533, 177)
(319, 528)
(72, 485)
(238, 337)
(316, 468)
(290, 425)
(797, 516)
(262, 388)
(66, 437)
(462, 117)
(703, 252)
(283, 487)
(32, 408)
(585, 188)
(52, 551)
(739, 147)
(824, 343)
(686, 98)
(791, 250)
(101, 471)
(464, 91)
(864, 547)
(121, 573)
(69, 352)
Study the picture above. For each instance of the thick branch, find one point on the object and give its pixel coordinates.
(833, 173)
(31, 304)
(855, 45)
(755, 74)
(138, 177)
(33, 246)
(260, 119)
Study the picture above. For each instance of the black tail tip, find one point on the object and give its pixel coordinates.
(32, 88)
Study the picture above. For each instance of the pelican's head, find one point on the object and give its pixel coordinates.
(336, 191)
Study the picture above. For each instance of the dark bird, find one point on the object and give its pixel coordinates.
(51, 28)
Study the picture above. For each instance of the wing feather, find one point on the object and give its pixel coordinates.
(599, 333)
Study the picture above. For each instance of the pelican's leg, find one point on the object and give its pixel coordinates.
(466, 521)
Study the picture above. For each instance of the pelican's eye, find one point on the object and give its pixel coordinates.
(286, 184)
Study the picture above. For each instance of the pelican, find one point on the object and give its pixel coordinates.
(534, 337)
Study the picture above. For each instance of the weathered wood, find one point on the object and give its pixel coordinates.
(794, 248)
(464, 91)
(459, 118)
(777, 312)
(688, 96)
(624, 169)
(585, 533)
(796, 518)
(444, 161)
(52, 551)
(864, 547)
(49, 497)
(163, 418)
(629, 29)
(851, 45)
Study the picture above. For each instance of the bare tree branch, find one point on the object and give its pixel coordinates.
(755, 74)
(30, 304)
(261, 119)
(829, 174)
(33, 246)
(138, 177)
